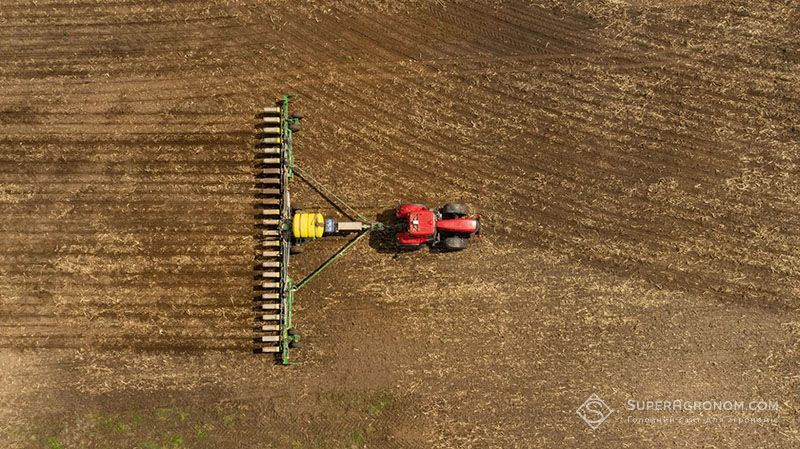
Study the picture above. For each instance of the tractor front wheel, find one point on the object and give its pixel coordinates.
(455, 210)
(455, 243)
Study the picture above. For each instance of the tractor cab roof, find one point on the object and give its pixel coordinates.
(422, 223)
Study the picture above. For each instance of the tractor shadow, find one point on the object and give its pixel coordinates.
(383, 241)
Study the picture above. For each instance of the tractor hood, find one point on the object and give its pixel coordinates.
(459, 225)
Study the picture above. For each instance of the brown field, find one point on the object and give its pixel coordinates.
(636, 165)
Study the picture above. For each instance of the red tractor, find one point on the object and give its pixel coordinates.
(449, 227)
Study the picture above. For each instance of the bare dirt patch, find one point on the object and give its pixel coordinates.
(635, 164)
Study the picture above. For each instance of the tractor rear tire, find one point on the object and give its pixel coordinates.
(295, 128)
(455, 243)
(295, 249)
(297, 115)
(456, 210)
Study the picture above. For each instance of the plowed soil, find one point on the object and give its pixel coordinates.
(636, 165)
